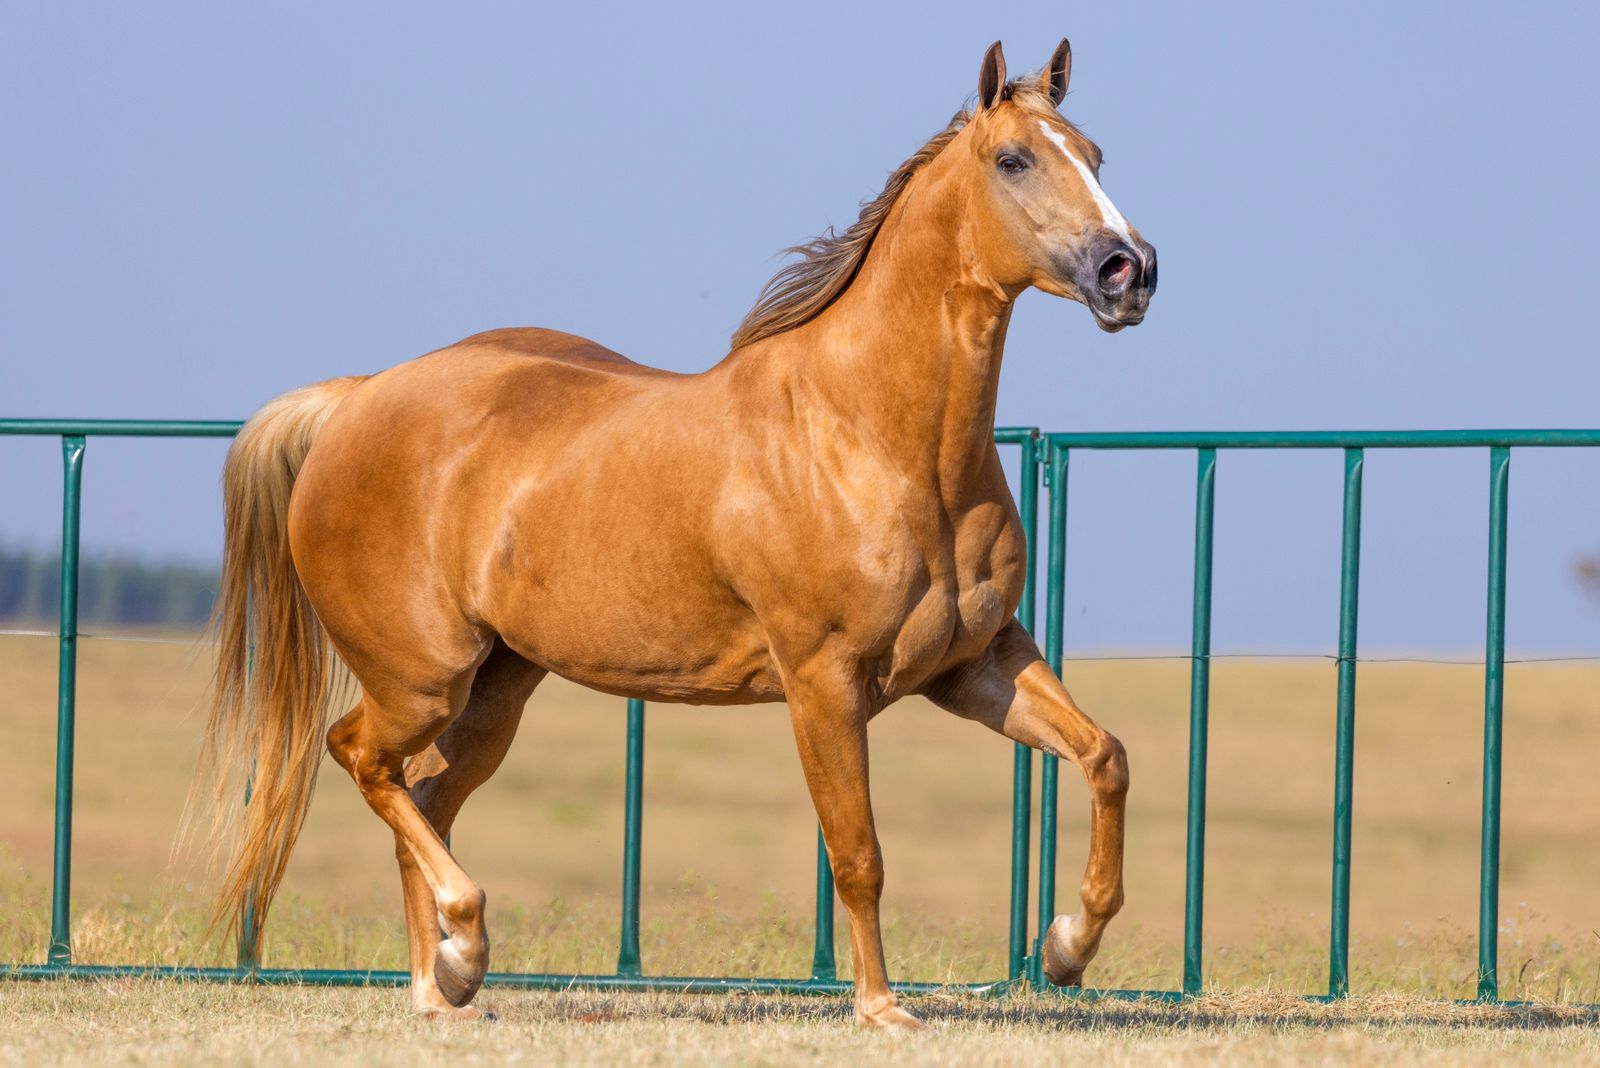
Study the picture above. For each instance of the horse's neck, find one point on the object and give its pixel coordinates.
(911, 350)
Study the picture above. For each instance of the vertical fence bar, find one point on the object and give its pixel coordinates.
(628, 955)
(1493, 705)
(1022, 756)
(1028, 505)
(72, 447)
(248, 958)
(823, 965)
(1199, 719)
(1345, 733)
(1056, 458)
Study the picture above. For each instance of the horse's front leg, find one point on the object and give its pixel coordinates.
(830, 728)
(1012, 690)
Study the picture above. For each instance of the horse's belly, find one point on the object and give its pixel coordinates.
(669, 645)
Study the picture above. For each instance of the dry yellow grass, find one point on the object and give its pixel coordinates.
(728, 847)
(128, 1022)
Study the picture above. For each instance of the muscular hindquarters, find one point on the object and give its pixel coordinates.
(561, 505)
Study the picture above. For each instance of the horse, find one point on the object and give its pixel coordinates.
(819, 518)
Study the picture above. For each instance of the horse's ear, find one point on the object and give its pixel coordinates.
(991, 78)
(1058, 72)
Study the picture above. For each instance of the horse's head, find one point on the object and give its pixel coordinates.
(1041, 217)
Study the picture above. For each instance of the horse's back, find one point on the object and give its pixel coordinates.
(474, 415)
(521, 383)
(539, 344)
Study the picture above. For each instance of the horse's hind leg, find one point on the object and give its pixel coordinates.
(392, 721)
(439, 780)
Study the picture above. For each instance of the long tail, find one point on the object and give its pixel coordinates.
(275, 677)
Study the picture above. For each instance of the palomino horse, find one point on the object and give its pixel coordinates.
(820, 518)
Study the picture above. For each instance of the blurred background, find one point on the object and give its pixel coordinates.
(1369, 215)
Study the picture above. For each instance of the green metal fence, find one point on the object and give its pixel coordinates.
(1499, 444)
(1045, 456)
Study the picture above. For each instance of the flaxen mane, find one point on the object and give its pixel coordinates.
(802, 290)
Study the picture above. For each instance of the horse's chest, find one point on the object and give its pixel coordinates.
(946, 625)
(901, 585)
(956, 616)
(982, 609)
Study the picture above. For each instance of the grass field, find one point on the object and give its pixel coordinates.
(148, 1023)
(728, 867)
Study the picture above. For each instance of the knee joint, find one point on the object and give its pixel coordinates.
(462, 906)
(859, 878)
(1106, 768)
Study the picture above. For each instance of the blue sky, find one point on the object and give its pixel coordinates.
(1369, 215)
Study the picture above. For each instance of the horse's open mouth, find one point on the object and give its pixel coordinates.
(1112, 323)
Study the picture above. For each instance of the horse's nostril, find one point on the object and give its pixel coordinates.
(1117, 273)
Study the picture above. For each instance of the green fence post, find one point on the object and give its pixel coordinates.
(1199, 717)
(823, 965)
(1022, 756)
(1056, 458)
(628, 955)
(72, 447)
(248, 959)
(1345, 734)
(1493, 705)
(1028, 506)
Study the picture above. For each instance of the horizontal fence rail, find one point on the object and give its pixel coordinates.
(1043, 457)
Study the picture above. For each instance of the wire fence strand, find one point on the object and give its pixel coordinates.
(138, 639)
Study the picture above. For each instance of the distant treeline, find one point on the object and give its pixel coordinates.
(111, 589)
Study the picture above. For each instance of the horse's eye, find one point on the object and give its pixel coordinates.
(1012, 164)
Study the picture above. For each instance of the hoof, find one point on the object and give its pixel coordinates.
(456, 980)
(1063, 956)
(889, 1018)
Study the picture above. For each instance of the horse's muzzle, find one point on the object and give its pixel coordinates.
(1117, 279)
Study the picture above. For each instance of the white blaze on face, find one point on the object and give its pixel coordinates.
(1108, 211)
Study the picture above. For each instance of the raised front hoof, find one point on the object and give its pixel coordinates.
(457, 981)
(1064, 955)
(890, 1017)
